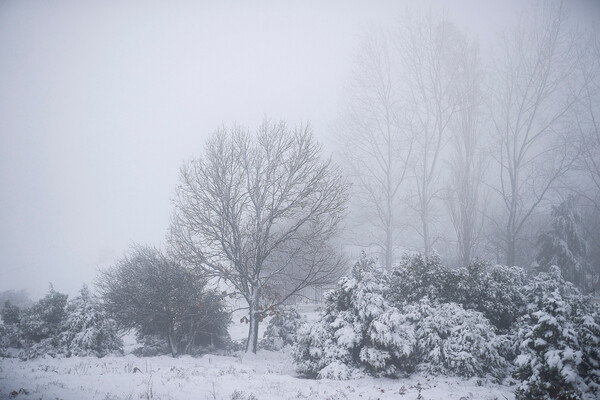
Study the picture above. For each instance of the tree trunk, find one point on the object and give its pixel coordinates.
(191, 335)
(510, 252)
(172, 344)
(467, 242)
(425, 223)
(511, 231)
(389, 247)
(252, 344)
(466, 255)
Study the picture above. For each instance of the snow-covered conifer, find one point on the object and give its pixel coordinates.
(316, 349)
(88, 331)
(558, 342)
(282, 329)
(10, 331)
(564, 244)
(418, 276)
(358, 329)
(45, 318)
(454, 341)
(10, 313)
(494, 290)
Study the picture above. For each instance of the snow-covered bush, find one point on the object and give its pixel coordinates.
(10, 313)
(43, 348)
(316, 348)
(11, 335)
(210, 327)
(44, 320)
(241, 395)
(558, 341)
(418, 276)
(588, 325)
(336, 370)
(56, 328)
(88, 331)
(454, 341)
(282, 329)
(494, 290)
(358, 330)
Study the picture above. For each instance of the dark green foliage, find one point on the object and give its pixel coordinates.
(10, 313)
(10, 336)
(157, 296)
(418, 276)
(151, 345)
(494, 291)
(209, 323)
(45, 318)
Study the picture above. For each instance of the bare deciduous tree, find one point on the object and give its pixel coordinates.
(404, 103)
(427, 47)
(531, 105)
(260, 212)
(467, 162)
(375, 147)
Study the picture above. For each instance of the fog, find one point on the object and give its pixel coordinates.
(101, 102)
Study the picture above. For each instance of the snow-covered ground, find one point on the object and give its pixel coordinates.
(266, 375)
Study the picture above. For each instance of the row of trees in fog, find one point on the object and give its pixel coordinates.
(437, 138)
(431, 139)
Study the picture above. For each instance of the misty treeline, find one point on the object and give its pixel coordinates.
(56, 326)
(167, 306)
(439, 152)
(477, 156)
(254, 223)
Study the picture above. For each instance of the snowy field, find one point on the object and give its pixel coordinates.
(266, 375)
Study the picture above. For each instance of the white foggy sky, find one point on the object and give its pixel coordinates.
(100, 103)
